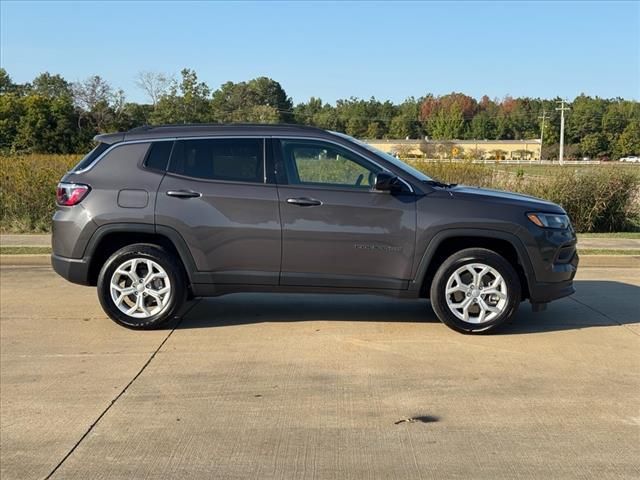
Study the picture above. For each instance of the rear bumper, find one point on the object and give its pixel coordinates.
(75, 270)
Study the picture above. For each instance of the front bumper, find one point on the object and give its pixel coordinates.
(564, 273)
(75, 270)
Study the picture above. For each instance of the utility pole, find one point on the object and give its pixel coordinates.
(543, 117)
(562, 110)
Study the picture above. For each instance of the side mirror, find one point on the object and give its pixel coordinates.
(388, 182)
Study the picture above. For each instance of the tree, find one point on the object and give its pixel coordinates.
(447, 124)
(482, 127)
(6, 84)
(185, 102)
(11, 111)
(629, 141)
(51, 86)
(428, 148)
(47, 125)
(93, 97)
(585, 119)
(594, 145)
(154, 84)
(238, 102)
(374, 130)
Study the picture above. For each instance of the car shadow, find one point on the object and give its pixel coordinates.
(595, 303)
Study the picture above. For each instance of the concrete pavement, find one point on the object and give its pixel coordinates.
(286, 386)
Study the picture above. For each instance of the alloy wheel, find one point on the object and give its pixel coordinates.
(476, 293)
(140, 288)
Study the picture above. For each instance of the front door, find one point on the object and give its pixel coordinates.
(216, 196)
(337, 231)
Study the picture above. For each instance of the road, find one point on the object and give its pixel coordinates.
(285, 386)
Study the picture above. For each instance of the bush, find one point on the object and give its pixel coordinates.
(599, 199)
(27, 190)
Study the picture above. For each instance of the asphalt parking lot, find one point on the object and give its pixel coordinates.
(284, 386)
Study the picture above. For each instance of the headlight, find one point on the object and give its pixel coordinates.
(549, 220)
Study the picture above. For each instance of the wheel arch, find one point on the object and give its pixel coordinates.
(447, 242)
(109, 238)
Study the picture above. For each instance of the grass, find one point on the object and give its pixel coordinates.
(25, 250)
(626, 235)
(608, 251)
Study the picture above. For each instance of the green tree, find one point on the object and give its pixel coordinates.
(447, 124)
(594, 145)
(239, 102)
(6, 84)
(47, 125)
(51, 86)
(482, 127)
(374, 130)
(629, 141)
(186, 102)
(11, 111)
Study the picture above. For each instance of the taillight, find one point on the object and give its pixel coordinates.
(70, 194)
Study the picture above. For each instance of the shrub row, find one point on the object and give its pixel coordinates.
(598, 199)
(27, 190)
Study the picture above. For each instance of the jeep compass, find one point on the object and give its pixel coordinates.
(160, 214)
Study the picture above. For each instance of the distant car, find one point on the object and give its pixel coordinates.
(631, 159)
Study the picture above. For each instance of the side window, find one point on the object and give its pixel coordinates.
(318, 163)
(239, 159)
(158, 156)
(91, 156)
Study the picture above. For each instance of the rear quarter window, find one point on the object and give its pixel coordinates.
(91, 156)
(158, 156)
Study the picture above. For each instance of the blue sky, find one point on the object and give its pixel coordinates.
(336, 50)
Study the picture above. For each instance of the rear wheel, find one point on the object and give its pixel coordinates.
(475, 290)
(142, 286)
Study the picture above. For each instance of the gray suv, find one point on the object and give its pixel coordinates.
(158, 215)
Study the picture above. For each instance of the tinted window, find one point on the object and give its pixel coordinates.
(158, 156)
(91, 156)
(225, 159)
(317, 163)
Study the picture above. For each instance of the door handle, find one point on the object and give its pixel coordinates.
(304, 202)
(183, 193)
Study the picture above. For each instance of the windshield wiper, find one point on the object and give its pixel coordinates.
(435, 183)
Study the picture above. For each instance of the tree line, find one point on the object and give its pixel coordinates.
(53, 115)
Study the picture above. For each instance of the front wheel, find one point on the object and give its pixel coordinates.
(142, 286)
(475, 290)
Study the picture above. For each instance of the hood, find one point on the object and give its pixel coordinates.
(500, 196)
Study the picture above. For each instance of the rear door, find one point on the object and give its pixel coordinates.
(337, 231)
(216, 195)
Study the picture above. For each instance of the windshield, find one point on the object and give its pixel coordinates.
(389, 158)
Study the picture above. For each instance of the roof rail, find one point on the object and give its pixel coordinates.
(141, 128)
(146, 128)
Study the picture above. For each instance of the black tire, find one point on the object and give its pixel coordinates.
(465, 257)
(175, 273)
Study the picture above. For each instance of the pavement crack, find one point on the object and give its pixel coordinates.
(613, 320)
(121, 393)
